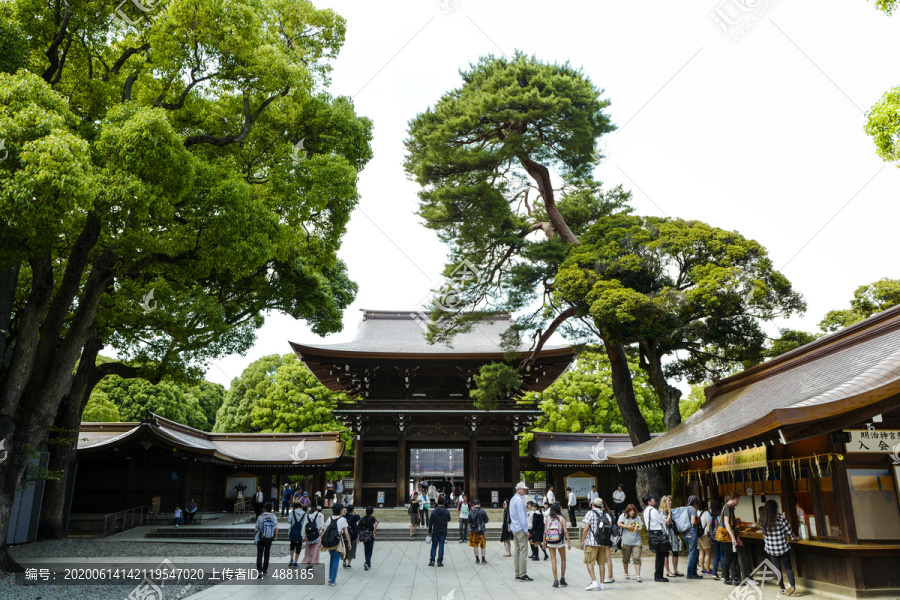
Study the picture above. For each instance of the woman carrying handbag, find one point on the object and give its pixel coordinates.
(659, 539)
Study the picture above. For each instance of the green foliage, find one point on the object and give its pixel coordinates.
(279, 394)
(582, 399)
(210, 397)
(12, 45)
(100, 409)
(886, 6)
(867, 300)
(135, 397)
(694, 401)
(494, 382)
(883, 125)
(789, 339)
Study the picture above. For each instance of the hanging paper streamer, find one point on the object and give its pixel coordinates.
(818, 466)
(828, 466)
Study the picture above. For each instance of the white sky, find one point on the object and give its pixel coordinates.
(763, 135)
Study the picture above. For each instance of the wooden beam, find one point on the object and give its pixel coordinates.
(471, 486)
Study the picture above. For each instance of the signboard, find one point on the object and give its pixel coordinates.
(751, 458)
(495, 498)
(580, 485)
(380, 497)
(873, 442)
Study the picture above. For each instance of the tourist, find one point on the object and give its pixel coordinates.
(536, 528)
(690, 537)
(506, 535)
(318, 502)
(611, 547)
(529, 521)
(296, 524)
(775, 529)
(630, 525)
(303, 501)
(551, 497)
(731, 572)
(191, 510)
(414, 518)
(329, 495)
(573, 501)
(556, 538)
(703, 543)
(273, 495)
(424, 505)
(335, 539)
(179, 519)
(718, 548)
(618, 497)
(258, 501)
(674, 536)
(312, 535)
(448, 489)
(478, 520)
(286, 499)
(339, 487)
(352, 534)
(368, 525)
(592, 495)
(657, 526)
(463, 516)
(432, 494)
(266, 533)
(457, 491)
(518, 526)
(594, 539)
(437, 528)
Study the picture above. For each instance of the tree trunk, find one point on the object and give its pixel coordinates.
(8, 281)
(649, 479)
(669, 396)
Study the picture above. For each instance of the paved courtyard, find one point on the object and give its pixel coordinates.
(400, 571)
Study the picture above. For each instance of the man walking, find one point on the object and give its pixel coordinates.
(572, 502)
(551, 497)
(518, 526)
(478, 519)
(594, 540)
(258, 499)
(285, 500)
(437, 527)
(266, 533)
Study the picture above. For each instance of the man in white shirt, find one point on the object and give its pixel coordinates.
(594, 550)
(518, 526)
(273, 497)
(619, 500)
(572, 502)
(592, 494)
(259, 498)
(336, 553)
(551, 497)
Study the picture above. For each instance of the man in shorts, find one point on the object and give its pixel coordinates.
(594, 552)
(478, 520)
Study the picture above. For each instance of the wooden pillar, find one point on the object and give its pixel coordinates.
(129, 483)
(357, 472)
(841, 485)
(514, 461)
(472, 485)
(402, 469)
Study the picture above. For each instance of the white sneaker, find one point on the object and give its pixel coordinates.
(601, 587)
(593, 586)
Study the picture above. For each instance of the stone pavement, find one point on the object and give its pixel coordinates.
(400, 571)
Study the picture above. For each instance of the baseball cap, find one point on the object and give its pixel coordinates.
(521, 486)
(598, 502)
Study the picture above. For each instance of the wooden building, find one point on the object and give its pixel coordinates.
(818, 431)
(411, 411)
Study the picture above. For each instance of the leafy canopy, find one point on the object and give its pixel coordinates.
(867, 300)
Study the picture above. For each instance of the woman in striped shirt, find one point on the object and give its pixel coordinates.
(776, 531)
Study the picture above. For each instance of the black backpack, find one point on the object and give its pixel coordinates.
(701, 530)
(601, 530)
(477, 521)
(332, 537)
(312, 532)
(296, 534)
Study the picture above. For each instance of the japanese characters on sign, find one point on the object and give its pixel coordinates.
(877, 441)
(751, 458)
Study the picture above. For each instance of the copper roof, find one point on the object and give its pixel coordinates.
(238, 448)
(833, 382)
(578, 449)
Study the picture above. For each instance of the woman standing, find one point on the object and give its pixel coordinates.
(537, 533)
(674, 537)
(632, 546)
(329, 494)
(703, 543)
(776, 531)
(353, 532)
(556, 537)
(312, 535)
(718, 548)
(368, 525)
(413, 515)
(463, 514)
(506, 535)
(732, 569)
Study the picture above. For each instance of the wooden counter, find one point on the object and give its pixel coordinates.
(828, 544)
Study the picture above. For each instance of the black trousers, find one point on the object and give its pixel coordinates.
(732, 569)
(783, 562)
(572, 515)
(258, 508)
(263, 548)
(660, 564)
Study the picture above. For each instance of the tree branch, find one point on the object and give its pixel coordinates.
(52, 51)
(249, 120)
(545, 335)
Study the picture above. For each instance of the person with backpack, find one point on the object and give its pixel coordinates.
(536, 529)
(463, 508)
(266, 533)
(477, 525)
(335, 539)
(556, 538)
(690, 536)
(595, 537)
(703, 544)
(353, 534)
(614, 540)
(312, 534)
(296, 523)
(673, 534)
(437, 529)
(368, 525)
(414, 519)
(630, 525)
(657, 528)
(718, 548)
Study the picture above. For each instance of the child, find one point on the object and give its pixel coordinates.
(179, 520)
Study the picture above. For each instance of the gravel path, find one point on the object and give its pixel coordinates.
(91, 547)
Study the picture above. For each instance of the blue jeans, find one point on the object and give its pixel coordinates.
(438, 538)
(284, 507)
(693, 554)
(368, 546)
(718, 555)
(333, 565)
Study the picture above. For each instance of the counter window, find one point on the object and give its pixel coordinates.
(874, 501)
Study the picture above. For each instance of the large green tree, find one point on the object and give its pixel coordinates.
(155, 196)
(883, 122)
(867, 300)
